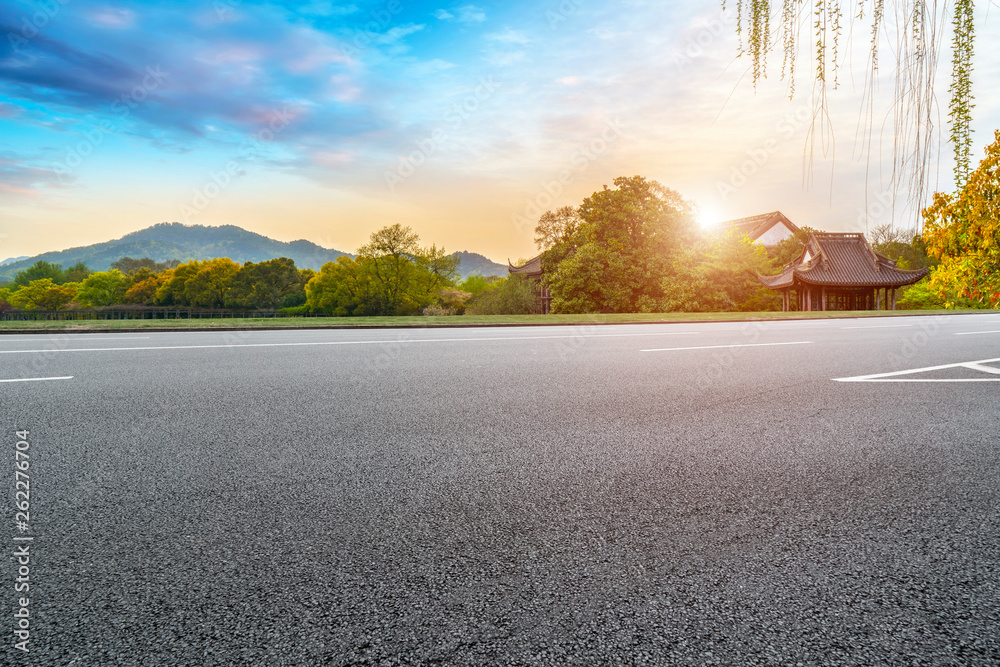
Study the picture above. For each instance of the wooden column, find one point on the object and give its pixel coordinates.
(823, 298)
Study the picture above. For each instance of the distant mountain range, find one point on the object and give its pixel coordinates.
(172, 240)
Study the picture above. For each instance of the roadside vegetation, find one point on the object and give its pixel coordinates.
(631, 249)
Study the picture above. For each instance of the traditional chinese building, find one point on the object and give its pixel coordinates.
(766, 229)
(532, 269)
(840, 272)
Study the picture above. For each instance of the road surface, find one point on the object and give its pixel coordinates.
(784, 493)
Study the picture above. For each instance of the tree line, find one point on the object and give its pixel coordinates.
(634, 247)
(391, 275)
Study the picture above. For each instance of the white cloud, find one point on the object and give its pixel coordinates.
(568, 80)
(471, 14)
(508, 36)
(443, 15)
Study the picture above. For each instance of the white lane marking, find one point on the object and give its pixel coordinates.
(881, 326)
(87, 338)
(345, 342)
(67, 377)
(716, 347)
(973, 333)
(894, 376)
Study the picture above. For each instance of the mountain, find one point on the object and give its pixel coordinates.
(11, 260)
(474, 264)
(172, 240)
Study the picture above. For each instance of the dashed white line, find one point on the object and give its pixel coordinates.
(973, 333)
(715, 347)
(344, 342)
(66, 377)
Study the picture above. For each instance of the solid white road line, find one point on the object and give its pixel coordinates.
(84, 337)
(894, 376)
(345, 342)
(716, 347)
(973, 333)
(67, 377)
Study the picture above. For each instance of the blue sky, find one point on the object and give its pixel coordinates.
(329, 120)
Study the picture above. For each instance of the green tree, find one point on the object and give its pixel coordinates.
(963, 232)
(390, 255)
(624, 254)
(77, 272)
(40, 270)
(344, 287)
(209, 286)
(513, 295)
(43, 294)
(104, 288)
(272, 284)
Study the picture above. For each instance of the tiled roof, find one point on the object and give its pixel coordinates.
(756, 225)
(843, 260)
(533, 267)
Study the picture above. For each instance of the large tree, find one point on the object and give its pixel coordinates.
(624, 253)
(963, 231)
(104, 288)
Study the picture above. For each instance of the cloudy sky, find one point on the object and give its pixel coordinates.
(329, 120)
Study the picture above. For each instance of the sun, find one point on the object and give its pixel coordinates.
(708, 218)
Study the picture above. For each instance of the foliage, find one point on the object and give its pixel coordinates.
(624, 251)
(43, 294)
(916, 45)
(963, 232)
(919, 296)
(731, 266)
(129, 266)
(513, 295)
(905, 246)
(267, 285)
(474, 284)
(77, 272)
(392, 275)
(553, 226)
(40, 270)
(104, 288)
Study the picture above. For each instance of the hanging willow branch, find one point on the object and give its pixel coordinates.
(918, 26)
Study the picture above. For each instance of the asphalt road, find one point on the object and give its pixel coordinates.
(557, 495)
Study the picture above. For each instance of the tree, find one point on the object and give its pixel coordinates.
(552, 227)
(210, 284)
(391, 253)
(40, 270)
(963, 232)
(42, 294)
(344, 287)
(172, 287)
(731, 265)
(128, 265)
(513, 295)
(77, 272)
(916, 48)
(104, 288)
(623, 254)
(271, 284)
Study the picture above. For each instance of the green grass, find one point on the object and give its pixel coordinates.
(464, 320)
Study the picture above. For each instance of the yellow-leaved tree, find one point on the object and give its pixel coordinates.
(963, 231)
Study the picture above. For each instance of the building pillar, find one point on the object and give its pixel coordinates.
(823, 298)
(809, 299)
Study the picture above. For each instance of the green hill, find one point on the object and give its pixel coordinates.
(172, 240)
